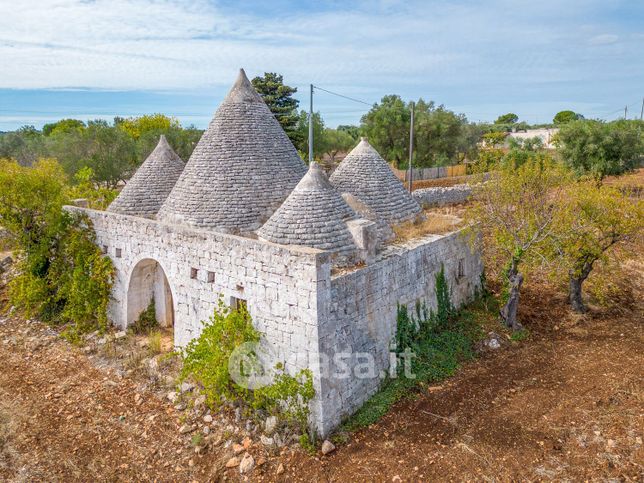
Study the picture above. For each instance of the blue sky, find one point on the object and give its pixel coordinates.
(100, 58)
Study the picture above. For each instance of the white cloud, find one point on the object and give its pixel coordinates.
(366, 49)
(603, 39)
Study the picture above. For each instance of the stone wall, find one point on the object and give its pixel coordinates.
(361, 312)
(278, 283)
(305, 314)
(441, 196)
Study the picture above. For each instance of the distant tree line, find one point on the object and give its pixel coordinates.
(442, 137)
(113, 151)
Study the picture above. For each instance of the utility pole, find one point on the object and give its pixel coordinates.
(311, 128)
(642, 111)
(411, 145)
(625, 111)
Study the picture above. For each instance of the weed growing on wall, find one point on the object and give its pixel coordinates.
(147, 320)
(439, 340)
(206, 360)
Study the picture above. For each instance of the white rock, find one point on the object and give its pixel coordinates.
(247, 464)
(270, 425)
(327, 447)
(266, 441)
(207, 418)
(187, 387)
(172, 396)
(200, 401)
(120, 334)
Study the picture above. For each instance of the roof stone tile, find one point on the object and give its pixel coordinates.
(146, 191)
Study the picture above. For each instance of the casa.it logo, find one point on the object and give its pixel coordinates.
(251, 365)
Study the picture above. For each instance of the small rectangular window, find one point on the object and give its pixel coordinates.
(211, 277)
(118, 253)
(193, 273)
(461, 269)
(104, 248)
(240, 288)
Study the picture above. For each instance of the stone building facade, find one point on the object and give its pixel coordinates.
(317, 277)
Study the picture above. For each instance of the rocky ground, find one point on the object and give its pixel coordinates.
(565, 404)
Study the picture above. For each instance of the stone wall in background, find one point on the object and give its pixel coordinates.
(442, 196)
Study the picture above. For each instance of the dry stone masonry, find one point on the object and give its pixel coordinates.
(364, 174)
(150, 186)
(443, 196)
(242, 169)
(297, 274)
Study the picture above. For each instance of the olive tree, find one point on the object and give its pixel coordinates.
(515, 212)
(594, 220)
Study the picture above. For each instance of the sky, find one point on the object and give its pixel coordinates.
(90, 59)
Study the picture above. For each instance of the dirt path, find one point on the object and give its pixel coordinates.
(566, 404)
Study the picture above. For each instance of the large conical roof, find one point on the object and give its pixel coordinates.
(364, 174)
(146, 191)
(243, 167)
(314, 215)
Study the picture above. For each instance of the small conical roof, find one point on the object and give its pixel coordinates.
(364, 174)
(314, 215)
(146, 191)
(243, 167)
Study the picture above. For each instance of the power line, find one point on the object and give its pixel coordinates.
(342, 95)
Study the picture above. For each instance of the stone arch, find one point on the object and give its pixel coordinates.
(147, 280)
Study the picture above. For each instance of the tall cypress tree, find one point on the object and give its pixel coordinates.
(279, 98)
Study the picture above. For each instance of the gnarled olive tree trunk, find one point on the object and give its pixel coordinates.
(577, 278)
(509, 311)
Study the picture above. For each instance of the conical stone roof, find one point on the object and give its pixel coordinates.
(243, 167)
(365, 175)
(146, 191)
(314, 215)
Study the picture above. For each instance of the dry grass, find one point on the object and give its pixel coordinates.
(434, 223)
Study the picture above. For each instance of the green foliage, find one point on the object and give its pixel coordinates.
(112, 151)
(154, 342)
(520, 335)
(288, 397)
(353, 131)
(64, 126)
(509, 118)
(593, 219)
(302, 136)
(563, 117)
(63, 276)
(600, 149)
(147, 320)
(387, 127)
(205, 359)
(336, 141)
(306, 444)
(440, 342)
(495, 138)
(98, 197)
(441, 137)
(137, 126)
(280, 100)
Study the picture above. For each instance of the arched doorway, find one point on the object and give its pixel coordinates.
(148, 281)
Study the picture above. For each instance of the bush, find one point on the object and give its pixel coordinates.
(63, 277)
(206, 360)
